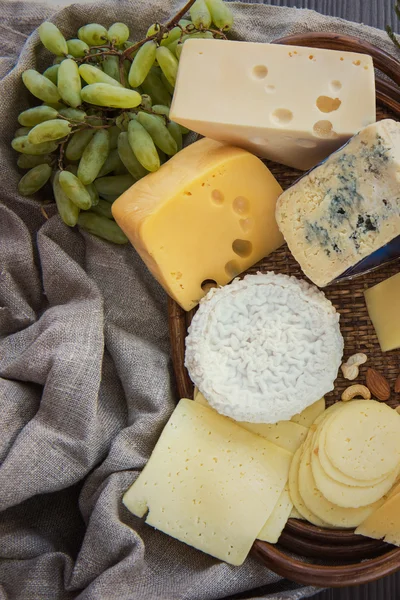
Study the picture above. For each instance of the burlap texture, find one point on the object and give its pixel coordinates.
(86, 379)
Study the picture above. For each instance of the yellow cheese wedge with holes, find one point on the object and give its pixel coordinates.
(285, 434)
(205, 216)
(210, 483)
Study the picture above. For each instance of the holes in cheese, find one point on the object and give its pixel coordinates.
(335, 85)
(208, 284)
(185, 217)
(323, 129)
(282, 116)
(242, 248)
(327, 104)
(209, 483)
(260, 72)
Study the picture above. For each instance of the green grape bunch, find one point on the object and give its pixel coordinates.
(103, 121)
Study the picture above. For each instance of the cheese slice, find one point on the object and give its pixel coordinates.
(278, 519)
(285, 434)
(209, 482)
(383, 303)
(309, 414)
(384, 523)
(204, 217)
(346, 208)
(294, 514)
(290, 104)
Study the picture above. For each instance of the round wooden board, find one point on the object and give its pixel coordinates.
(340, 547)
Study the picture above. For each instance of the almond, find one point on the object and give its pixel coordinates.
(378, 385)
(397, 385)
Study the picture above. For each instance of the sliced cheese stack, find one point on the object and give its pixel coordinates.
(210, 483)
(346, 208)
(384, 523)
(290, 104)
(348, 463)
(383, 303)
(204, 217)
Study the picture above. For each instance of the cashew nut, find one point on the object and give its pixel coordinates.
(356, 391)
(350, 367)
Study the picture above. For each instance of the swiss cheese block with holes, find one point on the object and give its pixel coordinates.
(363, 440)
(205, 216)
(383, 303)
(347, 208)
(290, 104)
(210, 483)
(285, 434)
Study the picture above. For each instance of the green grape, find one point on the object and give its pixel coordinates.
(49, 131)
(184, 129)
(94, 196)
(155, 69)
(167, 84)
(103, 94)
(122, 121)
(78, 143)
(94, 75)
(94, 156)
(200, 15)
(40, 86)
(52, 39)
(103, 208)
(36, 115)
(113, 185)
(142, 63)
(34, 179)
(153, 29)
(168, 63)
(112, 163)
(102, 227)
(221, 14)
(172, 35)
(22, 131)
(162, 155)
(52, 73)
(111, 67)
(159, 133)
(68, 211)
(73, 114)
(93, 34)
(110, 197)
(146, 101)
(27, 161)
(77, 48)
(143, 146)
(176, 133)
(128, 158)
(72, 169)
(153, 86)
(69, 83)
(185, 22)
(55, 105)
(114, 132)
(24, 146)
(127, 66)
(75, 190)
(59, 59)
(121, 169)
(160, 109)
(118, 33)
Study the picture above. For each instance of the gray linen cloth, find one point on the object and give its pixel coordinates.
(86, 383)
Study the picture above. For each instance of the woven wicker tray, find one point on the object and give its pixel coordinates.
(337, 554)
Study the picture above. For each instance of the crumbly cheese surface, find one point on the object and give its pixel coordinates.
(347, 207)
(210, 483)
(264, 348)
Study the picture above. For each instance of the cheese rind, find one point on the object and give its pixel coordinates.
(347, 207)
(383, 303)
(291, 104)
(206, 215)
(209, 483)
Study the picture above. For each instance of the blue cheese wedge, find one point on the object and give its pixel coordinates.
(346, 208)
(210, 483)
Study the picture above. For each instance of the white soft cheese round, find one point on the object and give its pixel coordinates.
(264, 348)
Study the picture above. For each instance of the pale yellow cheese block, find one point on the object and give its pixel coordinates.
(314, 500)
(285, 434)
(290, 104)
(206, 215)
(278, 519)
(384, 523)
(330, 469)
(344, 495)
(383, 303)
(209, 482)
(309, 414)
(363, 441)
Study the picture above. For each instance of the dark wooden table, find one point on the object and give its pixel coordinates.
(377, 13)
